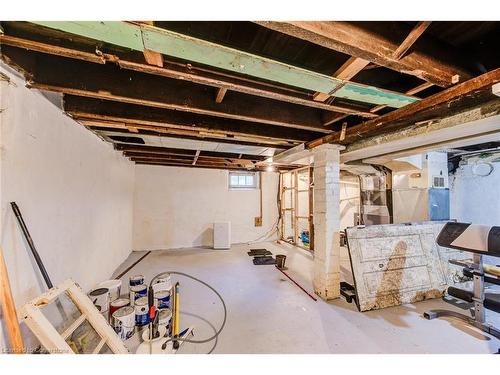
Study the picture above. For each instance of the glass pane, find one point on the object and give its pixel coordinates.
(234, 180)
(249, 180)
(241, 180)
(61, 313)
(84, 339)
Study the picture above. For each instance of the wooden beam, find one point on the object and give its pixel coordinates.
(410, 39)
(447, 98)
(475, 125)
(152, 57)
(419, 88)
(436, 63)
(108, 113)
(9, 315)
(167, 163)
(196, 156)
(349, 69)
(189, 73)
(355, 64)
(140, 36)
(331, 118)
(221, 92)
(234, 141)
(132, 149)
(111, 83)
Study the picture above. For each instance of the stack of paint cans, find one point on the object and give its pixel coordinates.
(137, 288)
(139, 299)
(162, 288)
(126, 313)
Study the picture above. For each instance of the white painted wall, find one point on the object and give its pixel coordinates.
(473, 198)
(175, 207)
(74, 190)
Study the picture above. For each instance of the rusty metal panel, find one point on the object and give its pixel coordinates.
(397, 264)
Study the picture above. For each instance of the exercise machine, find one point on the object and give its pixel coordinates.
(480, 240)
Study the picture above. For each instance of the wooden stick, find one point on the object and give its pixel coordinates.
(9, 310)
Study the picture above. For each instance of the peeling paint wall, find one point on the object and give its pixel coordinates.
(474, 198)
(75, 193)
(176, 207)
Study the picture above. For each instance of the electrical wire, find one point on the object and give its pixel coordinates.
(275, 227)
(217, 333)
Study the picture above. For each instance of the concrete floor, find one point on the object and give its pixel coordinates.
(269, 314)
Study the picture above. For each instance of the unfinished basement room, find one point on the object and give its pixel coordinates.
(250, 187)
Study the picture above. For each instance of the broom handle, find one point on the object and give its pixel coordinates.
(9, 309)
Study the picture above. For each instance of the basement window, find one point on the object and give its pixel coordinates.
(243, 180)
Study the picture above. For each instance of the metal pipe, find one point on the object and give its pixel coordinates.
(28, 238)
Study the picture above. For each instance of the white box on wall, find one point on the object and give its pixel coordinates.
(222, 235)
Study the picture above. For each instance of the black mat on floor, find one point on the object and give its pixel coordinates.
(259, 252)
(263, 260)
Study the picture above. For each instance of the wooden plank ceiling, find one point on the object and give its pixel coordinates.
(230, 94)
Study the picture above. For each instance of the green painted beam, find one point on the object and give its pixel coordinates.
(139, 37)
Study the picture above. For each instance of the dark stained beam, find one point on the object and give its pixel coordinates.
(410, 39)
(104, 113)
(55, 73)
(190, 73)
(442, 104)
(355, 40)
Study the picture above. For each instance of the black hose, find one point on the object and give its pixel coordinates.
(31, 244)
(217, 333)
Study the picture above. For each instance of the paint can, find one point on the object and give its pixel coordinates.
(141, 312)
(136, 280)
(165, 318)
(123, 322)
(117, 304)
(100, 299)
(137, 291)
(114, 287)
(162, 299)
(162, 283)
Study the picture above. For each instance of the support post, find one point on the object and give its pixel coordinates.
(326, 279)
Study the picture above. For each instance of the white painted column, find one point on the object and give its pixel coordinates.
(326, 278)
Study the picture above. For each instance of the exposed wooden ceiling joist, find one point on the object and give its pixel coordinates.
(106, 113)
(349, 69)
(354, 40)
(189, 153)
(410, 40)
(229, 141)
(55, 73)
(139, 37)
(330, 118)
(221, 92)
(189, 73)
(152, 57)
(409, 115)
